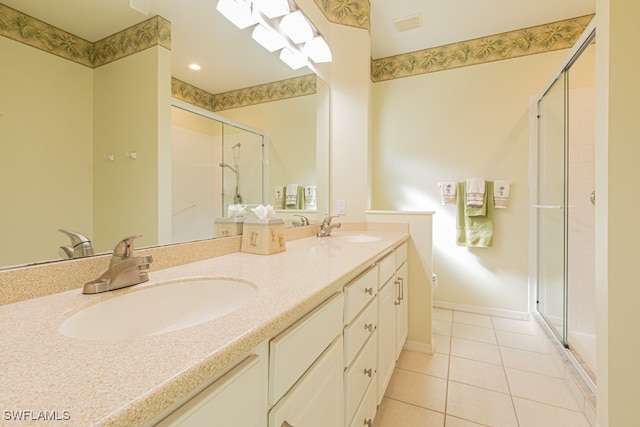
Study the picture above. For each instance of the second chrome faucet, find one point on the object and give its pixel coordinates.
(124, 269)
(326, 227)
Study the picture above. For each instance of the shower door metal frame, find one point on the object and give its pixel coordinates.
(581, 44)
(544, 211)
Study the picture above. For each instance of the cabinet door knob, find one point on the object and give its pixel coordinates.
(369, 327)
(368, 291)
(368, 372)
(368, 422)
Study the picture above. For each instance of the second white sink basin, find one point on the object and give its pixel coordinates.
(359, 238)
(159, 309)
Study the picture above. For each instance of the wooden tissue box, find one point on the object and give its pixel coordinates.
(263, 236)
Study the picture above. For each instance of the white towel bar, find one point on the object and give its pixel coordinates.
(548, 206)
(185, 208)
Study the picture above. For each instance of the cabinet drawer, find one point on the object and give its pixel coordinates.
(294, 350)
(359, 375)
(387, 266)
(368, 408)
(401, 254)
(361, 328)
(359, 293)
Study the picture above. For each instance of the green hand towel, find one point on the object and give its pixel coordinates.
(474, 231)
(300, 199)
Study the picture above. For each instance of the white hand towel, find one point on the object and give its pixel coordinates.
(475, 188)
(279, 194)
(448, 192)
(501, 193)
(292, 195)
(310, 197)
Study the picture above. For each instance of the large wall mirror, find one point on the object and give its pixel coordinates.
(89, 147)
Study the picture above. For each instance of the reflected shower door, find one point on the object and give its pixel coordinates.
(550, 207)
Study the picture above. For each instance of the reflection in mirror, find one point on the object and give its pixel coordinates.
(87, 146)
(215, 163)
(298, 131)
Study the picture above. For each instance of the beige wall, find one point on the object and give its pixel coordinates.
(350, 95)
(45, 152)
(449, 126)
(617, 154)
(127, 118)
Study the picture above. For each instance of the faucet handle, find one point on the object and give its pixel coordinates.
(124, 248)
(327, 220)
(303, 219)
(80, 245)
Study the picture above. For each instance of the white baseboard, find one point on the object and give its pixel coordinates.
(419, 347)
(488, 311)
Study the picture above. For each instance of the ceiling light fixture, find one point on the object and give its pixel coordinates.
(195, 67)
(296, 27)
(294, 35)
(238, 12)
(318, 50)
(293, 58)
(268, 38)
(272, 8)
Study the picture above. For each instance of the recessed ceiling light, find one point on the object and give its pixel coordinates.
(195, 67)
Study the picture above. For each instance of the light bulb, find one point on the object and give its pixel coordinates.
(268, 38)
(293, 59)
(296, 27)
(238, 12)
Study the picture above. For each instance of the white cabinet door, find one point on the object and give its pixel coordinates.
(402, 307)
(317, 400)
(238, 398)
(386, 336)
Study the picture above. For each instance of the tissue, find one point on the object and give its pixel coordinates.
(234, 211)
(264, 212)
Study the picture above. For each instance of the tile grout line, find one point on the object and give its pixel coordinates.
(504, 369)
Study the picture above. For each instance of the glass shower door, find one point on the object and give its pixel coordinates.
(550, 208)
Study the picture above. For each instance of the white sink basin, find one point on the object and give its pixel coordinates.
(160, 309)
(359, 238)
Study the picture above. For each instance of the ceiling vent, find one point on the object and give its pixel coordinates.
(407, 23)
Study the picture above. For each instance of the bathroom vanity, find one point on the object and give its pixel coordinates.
(314, 347)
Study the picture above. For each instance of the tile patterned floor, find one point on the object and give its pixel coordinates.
(486, 371)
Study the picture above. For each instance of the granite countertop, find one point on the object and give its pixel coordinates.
(129, 382)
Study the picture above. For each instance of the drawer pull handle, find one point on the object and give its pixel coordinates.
(368, 422)
(368, 372)
(368, 291)
(286, 424)
(369, 327)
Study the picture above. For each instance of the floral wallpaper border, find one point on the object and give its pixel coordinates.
(276, 91)
(527, 41)
(25, 29)
(354, 13)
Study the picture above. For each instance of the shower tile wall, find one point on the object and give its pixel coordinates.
(581, 224)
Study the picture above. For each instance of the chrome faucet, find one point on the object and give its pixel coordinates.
(326, 227)
(124, 269)
(303, 221)
(80, 245)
